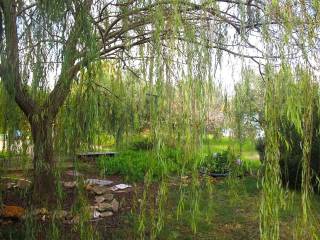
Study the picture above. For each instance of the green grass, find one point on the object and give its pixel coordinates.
(228, 218)
(234, 214)
(235, 204)
(249, 156)
(248, 147)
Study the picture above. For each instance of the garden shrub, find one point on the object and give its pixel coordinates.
(4, 155)
(221, 162)
(134, 164)
(217, 163)
(226, 162)
(141, 142)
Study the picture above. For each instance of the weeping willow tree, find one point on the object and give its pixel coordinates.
(45, 45)
(56, 54)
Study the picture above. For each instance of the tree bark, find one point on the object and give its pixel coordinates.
(44, 185)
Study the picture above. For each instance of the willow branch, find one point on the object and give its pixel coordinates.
(69, 69)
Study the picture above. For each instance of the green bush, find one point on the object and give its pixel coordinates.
(106, 140)
(217, 162)
(141, 142)
(133, 165)
(4, 155)
(225, 162)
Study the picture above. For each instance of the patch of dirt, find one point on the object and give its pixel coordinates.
(106, 226)
(118, 226)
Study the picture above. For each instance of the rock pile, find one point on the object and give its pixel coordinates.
(105, 203)
(18, 183)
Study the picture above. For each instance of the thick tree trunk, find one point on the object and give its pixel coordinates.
(44, 185)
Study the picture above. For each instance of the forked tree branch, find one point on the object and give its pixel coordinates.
(69, 67)
(10, 74)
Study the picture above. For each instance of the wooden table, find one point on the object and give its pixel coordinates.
(95, 155)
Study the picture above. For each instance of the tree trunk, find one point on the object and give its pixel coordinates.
(44, 190)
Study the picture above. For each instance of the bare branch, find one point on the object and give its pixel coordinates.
(26, 9)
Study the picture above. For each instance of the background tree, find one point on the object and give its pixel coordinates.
(247, 107)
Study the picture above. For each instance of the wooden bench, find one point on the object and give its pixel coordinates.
(95, 155)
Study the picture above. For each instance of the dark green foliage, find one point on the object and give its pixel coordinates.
(260, 145)
(291, 153)
(217, 162)
(291, 157)
(133, 165)
(4, 155)
(141, 142)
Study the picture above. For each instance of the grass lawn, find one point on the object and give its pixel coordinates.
(249, 152)
(249, 156)
(231, 212)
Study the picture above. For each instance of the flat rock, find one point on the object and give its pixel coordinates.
(96, 214)
(6, 222)
(99, 199)
(10, 185)
(102, 207)
(41, 211)
(92, 208)
(120, 186)
(12, 212)
(23, 183)
(106, 214)
(106, 197)
(100, 182)
(89, 187)
(73, 173)
(115, 205)
(71, 184)
(184, 178)
(61, 214)
(99, 190)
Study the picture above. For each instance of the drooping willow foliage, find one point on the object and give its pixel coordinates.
(296, 91)
(290, 133)
(79, 70)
